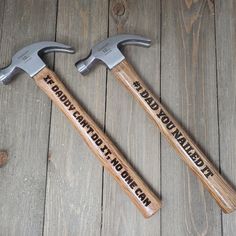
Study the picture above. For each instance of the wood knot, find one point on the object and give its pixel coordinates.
(3, 158)
(211, 6)
(49, 156)
(118, 9)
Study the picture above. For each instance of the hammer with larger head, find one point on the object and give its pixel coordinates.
(108, 52)
(28, 60)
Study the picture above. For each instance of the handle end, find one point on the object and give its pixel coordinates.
(151, 212)
(229, 206)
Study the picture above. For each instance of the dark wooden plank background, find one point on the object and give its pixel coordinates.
(52, 184)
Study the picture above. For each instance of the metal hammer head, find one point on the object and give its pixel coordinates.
(108, 51)
(28, 59)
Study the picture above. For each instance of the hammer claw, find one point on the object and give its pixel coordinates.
(28, 59)
(107, 51)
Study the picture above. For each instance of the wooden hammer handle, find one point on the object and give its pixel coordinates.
(223, 193)
(99, 143)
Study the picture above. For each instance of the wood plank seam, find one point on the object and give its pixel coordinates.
(4, 3)
(50, 122)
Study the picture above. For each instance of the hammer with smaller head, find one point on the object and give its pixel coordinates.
(108, 52)
(28, 60)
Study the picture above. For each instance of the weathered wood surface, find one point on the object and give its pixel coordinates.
(226, 61)
(52, 184)
(188, 83)
(128, 124)
(24, 116)
(74, 186)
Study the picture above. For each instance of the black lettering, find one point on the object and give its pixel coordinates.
(55, 88)
(144, 94)
(98, 142)
(63, 98)
(149, 100)
(84, 123)
(71, 108)
(154, 106)
(209, 172)
(90, 130)
(124, 174)
(190, 150)
(199, 162)
(142, 196)
(170, 125)
(165, 119)
(119, 167)
(129, 180)
(147, 202)
(104, 148)
(59, 93)
(138, 191)
(48, 79)
(75, 114)
(176, 133)
(186, 146)
(181, 140)
(67, 103)
(94, 137)
(137, 85)
(108, 152)
(161, 113)
(133, 185)
(80, 118)
(114, 162)
(194, 156)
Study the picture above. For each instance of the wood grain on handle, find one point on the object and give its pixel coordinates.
(223, 193)
(98, 142)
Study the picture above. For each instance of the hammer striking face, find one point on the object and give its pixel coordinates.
(110, 157)
(107, 51)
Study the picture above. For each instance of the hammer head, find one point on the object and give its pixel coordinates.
(28, 59)
(108, 51)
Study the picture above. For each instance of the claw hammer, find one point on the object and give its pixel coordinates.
(108, 52)
(28, 60)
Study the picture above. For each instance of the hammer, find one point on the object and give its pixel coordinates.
(28, 60)
(108, 52)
